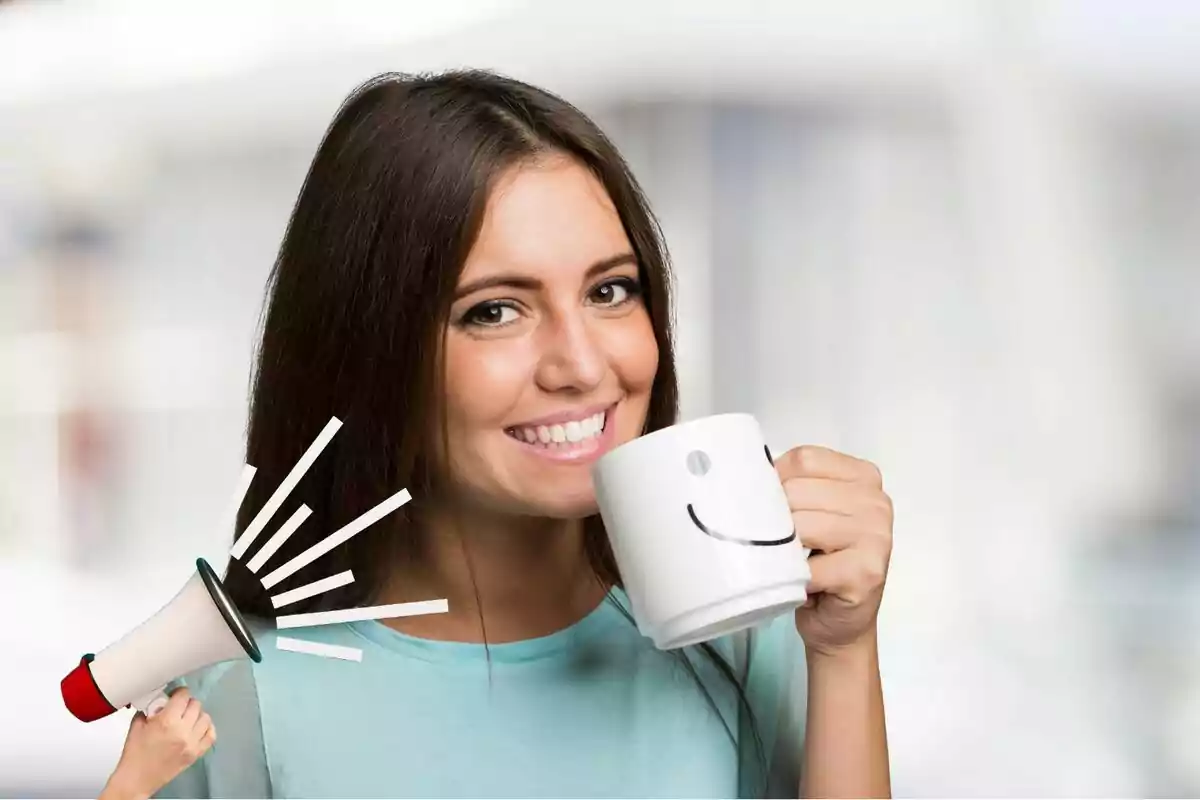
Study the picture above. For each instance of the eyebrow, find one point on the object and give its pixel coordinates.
(532, 284)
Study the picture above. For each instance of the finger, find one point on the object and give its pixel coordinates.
(848, 574)
(192, 714)
(826, 531)
(176, 704)
(835, 497)
(208, 739)
(813, 461)
(203, 723)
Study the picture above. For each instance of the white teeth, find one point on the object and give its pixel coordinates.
(563, 435)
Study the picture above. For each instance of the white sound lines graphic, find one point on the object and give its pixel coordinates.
(267, 550)
(276, 500)
(318, 648)
(338, 537)
(229, 515)
(358, 614)
(312, 589)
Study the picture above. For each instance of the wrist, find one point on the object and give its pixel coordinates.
(863, 651)
(122, 786)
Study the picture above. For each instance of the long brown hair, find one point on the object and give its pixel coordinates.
(358, 300)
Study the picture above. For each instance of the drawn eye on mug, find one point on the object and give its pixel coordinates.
(699, 463)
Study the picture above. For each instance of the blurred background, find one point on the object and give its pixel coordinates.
(959, 238)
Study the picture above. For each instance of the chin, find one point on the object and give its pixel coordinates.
(564, 506)
(573, 499)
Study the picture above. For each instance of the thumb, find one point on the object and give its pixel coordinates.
(138, 722)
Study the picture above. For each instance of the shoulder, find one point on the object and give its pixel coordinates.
(234, 693)
(236, 766)
(285, 659)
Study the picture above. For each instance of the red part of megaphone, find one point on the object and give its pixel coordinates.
(81, 694)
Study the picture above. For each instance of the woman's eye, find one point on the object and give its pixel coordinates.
(615, 292)
(491, 315)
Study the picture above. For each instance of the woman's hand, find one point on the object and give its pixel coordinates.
(159, 748)
(842, 513)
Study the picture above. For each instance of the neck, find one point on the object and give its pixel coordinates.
(505, 579)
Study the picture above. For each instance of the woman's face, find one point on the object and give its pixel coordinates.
(550, 355)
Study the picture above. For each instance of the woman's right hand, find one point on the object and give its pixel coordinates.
(157, 749)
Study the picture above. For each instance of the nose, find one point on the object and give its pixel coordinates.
(572, 357)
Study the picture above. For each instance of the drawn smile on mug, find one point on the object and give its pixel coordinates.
(699, 464)
(734, 540)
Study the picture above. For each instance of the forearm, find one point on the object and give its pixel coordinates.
(845, 749)
(120, 787)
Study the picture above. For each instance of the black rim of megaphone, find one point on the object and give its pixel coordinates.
(228, 610)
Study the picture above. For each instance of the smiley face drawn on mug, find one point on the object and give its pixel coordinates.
(699, 464)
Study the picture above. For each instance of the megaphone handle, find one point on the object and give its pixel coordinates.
(152, 703)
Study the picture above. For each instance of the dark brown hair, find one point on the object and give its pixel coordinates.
(358, 300)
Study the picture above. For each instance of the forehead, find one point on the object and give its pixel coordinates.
(546, 218)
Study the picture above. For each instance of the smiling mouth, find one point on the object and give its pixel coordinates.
(564, 435)
(749, 542)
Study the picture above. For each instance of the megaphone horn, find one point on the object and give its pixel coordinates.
(198, 628)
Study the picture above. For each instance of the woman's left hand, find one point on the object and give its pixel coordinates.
(842, 513)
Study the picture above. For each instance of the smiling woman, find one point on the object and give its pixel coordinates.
(473, 282)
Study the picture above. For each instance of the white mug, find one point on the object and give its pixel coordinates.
(701, 530)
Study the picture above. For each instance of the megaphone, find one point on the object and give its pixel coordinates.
(198, 628)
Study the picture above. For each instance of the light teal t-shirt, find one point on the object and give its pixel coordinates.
(590, 711)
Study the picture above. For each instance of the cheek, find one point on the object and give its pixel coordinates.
(484, 381)
(633, 353)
